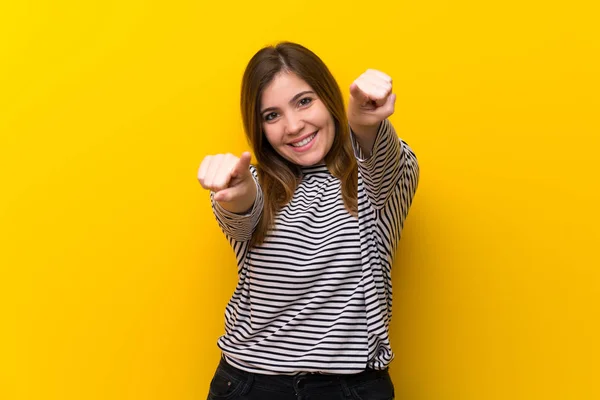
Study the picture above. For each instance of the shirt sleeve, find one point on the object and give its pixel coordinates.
(391, 163)
(239, 227)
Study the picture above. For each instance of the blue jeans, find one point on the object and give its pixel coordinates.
(230, 383)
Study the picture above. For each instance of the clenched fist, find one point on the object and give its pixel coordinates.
(371, 99)
(229, 177)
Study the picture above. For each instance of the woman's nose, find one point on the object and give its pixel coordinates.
(294, 124)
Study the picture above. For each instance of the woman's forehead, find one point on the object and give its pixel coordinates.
(284, 86)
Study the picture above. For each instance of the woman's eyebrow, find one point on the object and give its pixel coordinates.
(296, 97)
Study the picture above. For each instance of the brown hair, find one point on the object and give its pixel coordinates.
(279, 177)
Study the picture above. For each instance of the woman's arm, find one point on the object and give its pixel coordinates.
(371, 102)
(386, 164)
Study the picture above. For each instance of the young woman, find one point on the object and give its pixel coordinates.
(314, 227)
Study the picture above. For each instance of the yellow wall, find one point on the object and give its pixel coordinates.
(114, 274)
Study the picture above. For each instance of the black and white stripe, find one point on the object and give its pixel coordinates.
(316, 296)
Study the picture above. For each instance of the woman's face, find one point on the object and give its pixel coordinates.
(295, 121)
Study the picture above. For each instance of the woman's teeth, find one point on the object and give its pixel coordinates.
(305, 141)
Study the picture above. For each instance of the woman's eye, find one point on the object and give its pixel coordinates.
(305, 101)
(270, 116)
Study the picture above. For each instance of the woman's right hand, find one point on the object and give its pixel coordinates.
(229, 177)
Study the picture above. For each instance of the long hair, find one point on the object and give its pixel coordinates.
(279, 177)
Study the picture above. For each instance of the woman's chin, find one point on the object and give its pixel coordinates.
(308, 161)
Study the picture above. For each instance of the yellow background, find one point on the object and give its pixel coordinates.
(114, 275)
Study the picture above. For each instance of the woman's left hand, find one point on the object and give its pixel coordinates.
(371, 100)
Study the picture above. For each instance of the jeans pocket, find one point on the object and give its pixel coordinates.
(223, 386)
(378, 389)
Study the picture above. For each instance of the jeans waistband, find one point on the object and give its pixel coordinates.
(289, 381)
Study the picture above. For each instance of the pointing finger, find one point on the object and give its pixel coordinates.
(242, 165)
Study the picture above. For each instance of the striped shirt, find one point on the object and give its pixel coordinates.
(316, 296)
